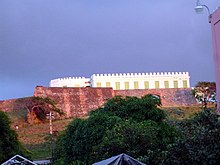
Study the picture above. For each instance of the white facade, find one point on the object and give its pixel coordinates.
(124, 81)
(70, 82)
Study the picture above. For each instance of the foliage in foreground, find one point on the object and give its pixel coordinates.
(9, 144)
(130, 125)
(200, 144)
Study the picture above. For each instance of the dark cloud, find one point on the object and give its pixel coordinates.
(45, 39)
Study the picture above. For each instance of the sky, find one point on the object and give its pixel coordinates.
(41, 40)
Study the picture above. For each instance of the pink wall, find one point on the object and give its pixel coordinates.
(215, 24)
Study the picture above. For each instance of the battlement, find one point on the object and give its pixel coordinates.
(68, 78)
(158, 74)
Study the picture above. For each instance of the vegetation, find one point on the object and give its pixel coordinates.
(35, 137)
(130, 125)
(199, 144)
(205, 92)
(135, 126)
(9, 144)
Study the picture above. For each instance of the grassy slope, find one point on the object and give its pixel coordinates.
(34, 136)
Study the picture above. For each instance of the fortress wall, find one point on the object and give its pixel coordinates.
(76, 102)
(169, 97)
(14, 104)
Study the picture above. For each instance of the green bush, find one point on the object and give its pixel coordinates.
(138, 139)
(123, 125)
(200, 144)
(9, 144)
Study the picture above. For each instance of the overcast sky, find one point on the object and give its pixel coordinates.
(42, 40)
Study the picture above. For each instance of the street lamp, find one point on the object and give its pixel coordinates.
(199, 9)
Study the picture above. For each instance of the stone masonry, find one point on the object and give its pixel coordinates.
(78, 102)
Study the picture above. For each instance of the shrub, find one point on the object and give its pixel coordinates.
(200, 144)
(9, 144)
(123, 125)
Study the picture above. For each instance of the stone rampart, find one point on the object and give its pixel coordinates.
(78, 102)
(14, 104)
(169, 97)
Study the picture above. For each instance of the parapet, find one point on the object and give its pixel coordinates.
(68, 78)
(157, 74)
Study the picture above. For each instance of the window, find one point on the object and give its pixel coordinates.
(136, 86)
(98, 84)
(157, 85)
(126, 85)
(166, 84)
(108, 84)
(184, 83)
(117, 85)
(175, 84)
(146, 84)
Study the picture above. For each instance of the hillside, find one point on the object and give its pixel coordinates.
(35, 137)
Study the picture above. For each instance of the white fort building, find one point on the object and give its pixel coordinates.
(124, 81)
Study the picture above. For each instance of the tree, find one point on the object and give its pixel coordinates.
(200, 144)
(148, 139)
(205, 92)
(130, 125)
(9, 144)
(134, 108)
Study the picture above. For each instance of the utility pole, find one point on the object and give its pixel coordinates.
(50, 116)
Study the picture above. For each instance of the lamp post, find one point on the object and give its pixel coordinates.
(199, 9)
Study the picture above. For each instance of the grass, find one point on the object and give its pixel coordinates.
(181, 113)
(40, 151)
(35, 137)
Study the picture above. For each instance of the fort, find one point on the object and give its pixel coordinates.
(77, 96)
(126, 81)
